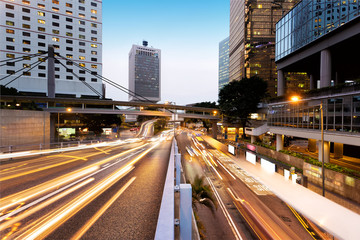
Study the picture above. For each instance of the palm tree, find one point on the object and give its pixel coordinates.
(202, 194)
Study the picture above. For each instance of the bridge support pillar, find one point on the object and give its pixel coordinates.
(338, 150)
(214, 129)
(326, 152)
(279, 142)
(52, 127)
(51, 73)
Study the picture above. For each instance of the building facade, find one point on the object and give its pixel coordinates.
(144, 73)
(223, 63)
(74, 28)
(252, 40)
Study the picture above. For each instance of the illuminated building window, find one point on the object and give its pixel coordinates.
(26, 2)
(81, 58)
(41, 6)
(69, 56)
(81, 22)
(81, 15)
(82, 64)
(27, 26)
(55, 39)
(55, 1)
(93, 66)
(81, 36)
(41, 13)
(26, 65)
(10, 39)
(41, 29)
(27, 42)
(93, 11)
(55, 9)
(69, 5)
(94, 25)
(94, 45)
(26, 50)
(10, 23)
(81, 1)
(41, 21)
(69, 34)
(68, 12)
(55, 31)
(93, 18)
(94, 39)
(94, 52)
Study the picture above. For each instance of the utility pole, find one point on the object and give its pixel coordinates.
(51, 72)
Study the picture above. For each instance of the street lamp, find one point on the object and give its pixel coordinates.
(296, 99)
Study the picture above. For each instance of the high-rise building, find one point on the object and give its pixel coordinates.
(74, 28)
(223, 63)
(252, 39)
(144, 73)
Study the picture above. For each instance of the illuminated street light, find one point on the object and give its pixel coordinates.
(297, 99)
(215, 112)
(68, 109)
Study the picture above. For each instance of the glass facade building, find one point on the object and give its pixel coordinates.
(223, 63)
(252, 39)
(144, 73)
(309, 20)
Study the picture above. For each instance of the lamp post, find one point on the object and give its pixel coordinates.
(296, 99)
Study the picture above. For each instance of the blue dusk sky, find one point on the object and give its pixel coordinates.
(188, 33)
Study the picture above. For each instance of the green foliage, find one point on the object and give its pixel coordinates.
(202, 194)
(206, 105)
(265, 145)
(95, 122)
(238, 99)
(8, 91)
(331, 166)
(159, 125)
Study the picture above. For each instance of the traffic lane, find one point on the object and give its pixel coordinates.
(133, 215)
(59, 165)
(264, 221)
(20, 211)
(217, 225)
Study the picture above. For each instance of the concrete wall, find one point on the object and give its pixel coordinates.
(346, 186)
(24, 127)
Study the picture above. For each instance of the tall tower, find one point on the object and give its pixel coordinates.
(144, 72)
(223, 63)
(252, 39)
(74, 28)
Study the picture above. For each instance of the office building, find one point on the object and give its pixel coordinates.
(223, 63)
(144, 73)
(74, 28)
(320, 38)
(252, 41)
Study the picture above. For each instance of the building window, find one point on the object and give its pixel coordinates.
(68, 12)
(55, 9)
(55, 2)
(69, 48)
(93, 32)
(69, 63)
(93, 4)
(10, 55)
(10, 72)
(57, 76)
(41, 36)
(93, 11)
(41, 44)
(69, 27)
(26, 2)
(69, 77)
(94, 80)
(27, 26)
(26, 65)
(10, 15)
(94, 52)
(9, 6)
(69, 34)
(26, 10)
(81, 22)
(82, 50)
(26, 58)
(55, 24)
(10, 23)
(55, 31)
(94, 39)
(69, 5)
(55, 39)
(41, 21)
(11, 64)
(81, 36)
(94, 45)
(69, 56)
(42, 67)
(69, 19)
(93, 66)
(82, 64)
(27, 42)
(41, 13)
(27, 50)
(26, 34)
(94, 59)
(82, 29)
(41, 6)
(10, 39)
(10, 31)
(82, 71)
(82, 43)
(81, 8)
(81, 58)
(81, 1)
(82, 79)
(25, 18)
(81, 15)
(69, 41)
(41, 74)
(41, 29)
(69, 70)
(56, 46)
(94, 25)
(57, 69)
(27, 73)
(10, 47)
(55, 16)
(93, 18)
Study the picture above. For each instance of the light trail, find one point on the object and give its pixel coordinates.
(227, 170)
(49, 223)
(90, 222)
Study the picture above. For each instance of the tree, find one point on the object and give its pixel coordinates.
(95, 122)
(8, 90)
(202, 194)
(206, 104)
(238, 99)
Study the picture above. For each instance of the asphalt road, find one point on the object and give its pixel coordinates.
(107, 192)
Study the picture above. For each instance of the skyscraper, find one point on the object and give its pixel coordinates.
(252, 39)
(223, 63)
(144, 73)
(74, 28)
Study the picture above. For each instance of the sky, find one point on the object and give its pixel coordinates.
(188, 33)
